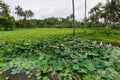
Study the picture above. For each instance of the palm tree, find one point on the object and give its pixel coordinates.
(31, 14)
(19, 10)
(1, 2)
(85, 16)
(92, 20)
(5, 10)
(73, 17)
(95, 13)
(27, 14)
(117, 11)
(111, 13)
(0, 6)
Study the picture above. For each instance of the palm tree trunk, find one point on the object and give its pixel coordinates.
(85, 16)
(73, 17)
(94, 25)
(109, 28)
(19, 21)
(24, 21)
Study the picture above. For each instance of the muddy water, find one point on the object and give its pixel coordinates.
(20, 76)
(23, 76)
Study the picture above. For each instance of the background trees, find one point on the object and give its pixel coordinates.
(101, 15)
(110, 13)
(5, 10)
(6, 20)
(95, 13)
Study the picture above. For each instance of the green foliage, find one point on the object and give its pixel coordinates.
(46, 78)
(7, 23)
(61, 58)
(53, 22)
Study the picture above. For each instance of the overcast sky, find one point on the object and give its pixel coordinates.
(53, 8)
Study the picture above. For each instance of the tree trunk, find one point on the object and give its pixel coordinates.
(94, 25)
(24, 21)
(85, 16)
(73, 17)
(19, 22)
(18, 26)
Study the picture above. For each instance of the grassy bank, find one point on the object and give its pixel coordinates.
(38, 33)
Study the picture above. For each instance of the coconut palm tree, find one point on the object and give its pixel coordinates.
(115, 13)
(27, 14)
(95, 14)
(1, 2)
(105, 12)
(5, 10)
(111, 13)
(0, 6)
(117, 10)
(19, 10)
(73, 7)
(31, 14)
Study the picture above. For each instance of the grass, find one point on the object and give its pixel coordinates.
(38, 33)
(32, 33)
(113, 38)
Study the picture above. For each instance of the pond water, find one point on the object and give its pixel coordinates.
(20, 76)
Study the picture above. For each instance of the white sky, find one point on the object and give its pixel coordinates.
(53, 8)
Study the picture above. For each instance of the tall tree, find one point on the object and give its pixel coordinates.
(73, 7)
(19, 11)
